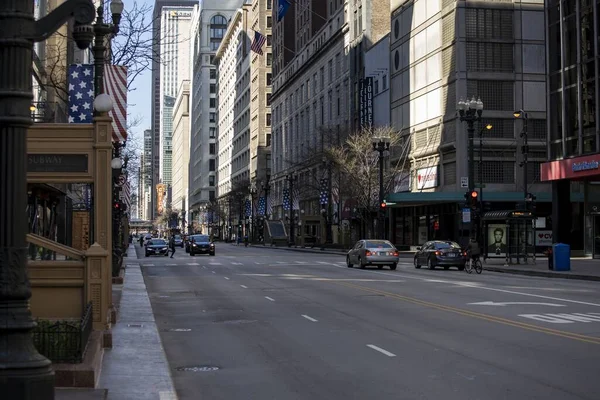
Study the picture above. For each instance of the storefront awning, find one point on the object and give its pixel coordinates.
(406, 199)
(507, 214)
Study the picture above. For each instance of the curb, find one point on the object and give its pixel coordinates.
(543, 274)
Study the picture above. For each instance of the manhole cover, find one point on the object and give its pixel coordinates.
(135, 325)
(178, 330)
(200, 368)
(237, 321)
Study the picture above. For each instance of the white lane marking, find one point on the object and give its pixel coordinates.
(164, 395)
(268, 298)
(563, 318)
(281, 262)
(244, 286)
(148, 265)
(236, 263)
(170, 265)
(382, 351)
(325, 263)
(213, 272)
(309, 318)
(476, 285)
(215, 264)
(193, 264)
(257, 263)
(551, 289)
(226, 277)
(301, 262)
(204, 266)
(507, 303)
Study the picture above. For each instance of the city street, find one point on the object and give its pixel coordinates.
(262, 323)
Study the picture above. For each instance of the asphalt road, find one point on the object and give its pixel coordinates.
(288, 325)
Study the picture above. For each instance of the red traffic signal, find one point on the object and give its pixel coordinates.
(383, 205)
(474, 194)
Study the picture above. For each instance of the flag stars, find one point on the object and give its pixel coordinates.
(82, 117)
(90, 93)
(74, 108)
(86, 106)
(82, 84)
(79, 95)
(75, 74)
(71, 119)
(71, 87)
(87, 72)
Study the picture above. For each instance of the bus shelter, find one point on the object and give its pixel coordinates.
(509, 235)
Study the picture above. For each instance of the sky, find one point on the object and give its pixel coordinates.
(139, 101)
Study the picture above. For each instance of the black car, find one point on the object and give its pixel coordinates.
(201, 244)
(157, 247)
(178, 241)
(442, 253)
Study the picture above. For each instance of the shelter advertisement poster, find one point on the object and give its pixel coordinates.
(496, 241)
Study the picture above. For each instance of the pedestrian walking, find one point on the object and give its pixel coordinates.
(172, 245)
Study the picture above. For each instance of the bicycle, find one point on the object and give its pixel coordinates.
(470, 265)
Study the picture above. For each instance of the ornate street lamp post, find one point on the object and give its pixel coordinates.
(382, 146)
(253, 192)
(326, 212)
(470, 112)
(24, 373)
(291, 178)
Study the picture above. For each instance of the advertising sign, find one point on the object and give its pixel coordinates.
(427, 178)
(543, 238)
(402, 182)
(496, 241)
(366, 102)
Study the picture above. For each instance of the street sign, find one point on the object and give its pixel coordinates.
(464, 182)
(480, 185)
(466, 215)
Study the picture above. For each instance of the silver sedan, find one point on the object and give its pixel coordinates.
(373, 252)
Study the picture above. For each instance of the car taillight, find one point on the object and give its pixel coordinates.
(465, 253)
(368, 253)
(395, 253)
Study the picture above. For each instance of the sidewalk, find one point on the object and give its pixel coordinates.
(581, 268)
(136, 367)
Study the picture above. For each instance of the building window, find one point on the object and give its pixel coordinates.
(269, 4)
(268, 99)
(268, 121)
(269, 59)
(268, 139)
(269, 40)
(212, 102)
(211, 165)
(213, 73)
(212, 132)
(211, 180)
(212, 148)
(213, 88)
(211, 195)
(212, 117)
(384, 82)
(218, 27)
(269, 21)
(269, 77)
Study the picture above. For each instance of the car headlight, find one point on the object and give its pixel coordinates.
(164, 248)
(212, 245)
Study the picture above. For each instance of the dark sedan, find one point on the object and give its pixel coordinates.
(442, 253)
(178, 241)
(157, 247)
(201, 244)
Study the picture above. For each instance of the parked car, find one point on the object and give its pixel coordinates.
(373, 252)
(443, 253)
(157, 247)
(178, 241)
(201, 244)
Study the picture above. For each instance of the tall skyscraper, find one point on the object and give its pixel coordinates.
(170, 46)
(214, 14)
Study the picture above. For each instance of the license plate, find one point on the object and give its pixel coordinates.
(451, 254)
(383, 253)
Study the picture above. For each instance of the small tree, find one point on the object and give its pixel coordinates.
(358, 167)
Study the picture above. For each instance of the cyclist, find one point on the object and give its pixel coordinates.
(473, 250)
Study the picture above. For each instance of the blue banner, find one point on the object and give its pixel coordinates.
(282, 9)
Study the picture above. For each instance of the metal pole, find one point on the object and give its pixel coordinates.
(24, 373)
(329, 236)
(99, 49)
(471, 134)
(292, 222)
(480, 237)
(381, 209)
(525, 151)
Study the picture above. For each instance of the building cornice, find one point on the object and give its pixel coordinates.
(237, 17)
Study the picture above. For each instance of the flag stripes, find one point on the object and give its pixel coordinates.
(258, 43)
(115, 85)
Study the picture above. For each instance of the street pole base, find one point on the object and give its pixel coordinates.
(27, 384)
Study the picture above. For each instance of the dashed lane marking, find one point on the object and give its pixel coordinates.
(382, 351)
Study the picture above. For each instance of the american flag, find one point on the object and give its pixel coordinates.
(335, 194)
(125, 194)
(81, 93)
(248, 208)
(296, 194)
(286, 199)
(115, 85)
(262, 206)
(258, 43)
(270, 200)
(323, 197)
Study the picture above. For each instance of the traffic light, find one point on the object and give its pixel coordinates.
(472, 199)
(383, 205)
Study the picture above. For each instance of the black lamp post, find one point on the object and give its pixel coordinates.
(328, 211)
(291, 178)
(253, 192)
(525, 152)
(382, 146)
(480, 178)
(470, 111)
(24, 373)
(266, 186)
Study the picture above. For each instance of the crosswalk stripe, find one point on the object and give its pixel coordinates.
(236, 263)
(193, 264)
